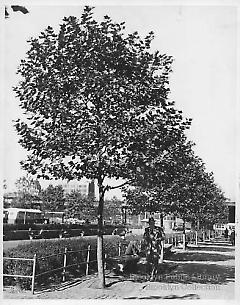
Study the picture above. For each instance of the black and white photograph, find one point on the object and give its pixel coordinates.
(120, 170)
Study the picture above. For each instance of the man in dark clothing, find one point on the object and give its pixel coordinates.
(153, 237)
(131, 257)
(232, 238)
(226, 233)
(128, 261)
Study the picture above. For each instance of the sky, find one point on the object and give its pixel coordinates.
(202, 40)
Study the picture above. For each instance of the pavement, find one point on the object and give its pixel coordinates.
(206, 271)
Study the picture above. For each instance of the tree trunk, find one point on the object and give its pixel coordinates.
(161, 220)
(184, 236)
(100, 254)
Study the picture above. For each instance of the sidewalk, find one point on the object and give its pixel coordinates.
(205, 271)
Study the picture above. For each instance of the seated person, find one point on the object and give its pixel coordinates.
(132, 249)
(130, 259)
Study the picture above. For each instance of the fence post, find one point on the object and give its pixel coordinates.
(196, 237)
(175, 240)
(34, 271)
(119, 249)
(88, 258)
(64, 264)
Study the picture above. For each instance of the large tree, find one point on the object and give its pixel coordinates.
(96, 104)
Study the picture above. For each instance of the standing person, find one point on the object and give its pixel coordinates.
(226, 233)
(232, 237)
(153, 236)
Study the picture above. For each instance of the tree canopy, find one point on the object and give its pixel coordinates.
(185, 189)
(95, 101)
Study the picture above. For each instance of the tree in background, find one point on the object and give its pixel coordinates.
(79, 206)
(28, 193)
(113, 211)
(28, 184)
(180, 186)
(53, 199)
(96, 104)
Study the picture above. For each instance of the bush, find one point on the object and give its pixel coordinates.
(54, 249)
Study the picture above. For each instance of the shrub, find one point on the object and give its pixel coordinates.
(54, 250)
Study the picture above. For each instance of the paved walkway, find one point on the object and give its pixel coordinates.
(202, 272)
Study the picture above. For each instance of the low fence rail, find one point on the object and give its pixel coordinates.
(34, 275)
(174, 239)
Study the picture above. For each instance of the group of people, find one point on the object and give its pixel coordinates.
(151, 246)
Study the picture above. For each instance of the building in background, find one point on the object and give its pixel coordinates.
(72, 186)
(91, 190)
(231, 211)
(85, 188)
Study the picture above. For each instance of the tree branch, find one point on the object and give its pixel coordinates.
(115, 187)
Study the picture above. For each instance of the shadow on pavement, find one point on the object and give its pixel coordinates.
(190, 296)
(212, 248)
(201, 256)
(184, 274)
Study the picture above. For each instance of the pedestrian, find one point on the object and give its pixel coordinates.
(153, 237)
(232, 237)
(226, 233)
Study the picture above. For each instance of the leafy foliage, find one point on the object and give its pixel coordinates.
(96, 101)
(186, 190)
(53, 198)
(28, 193)
(80, 206)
